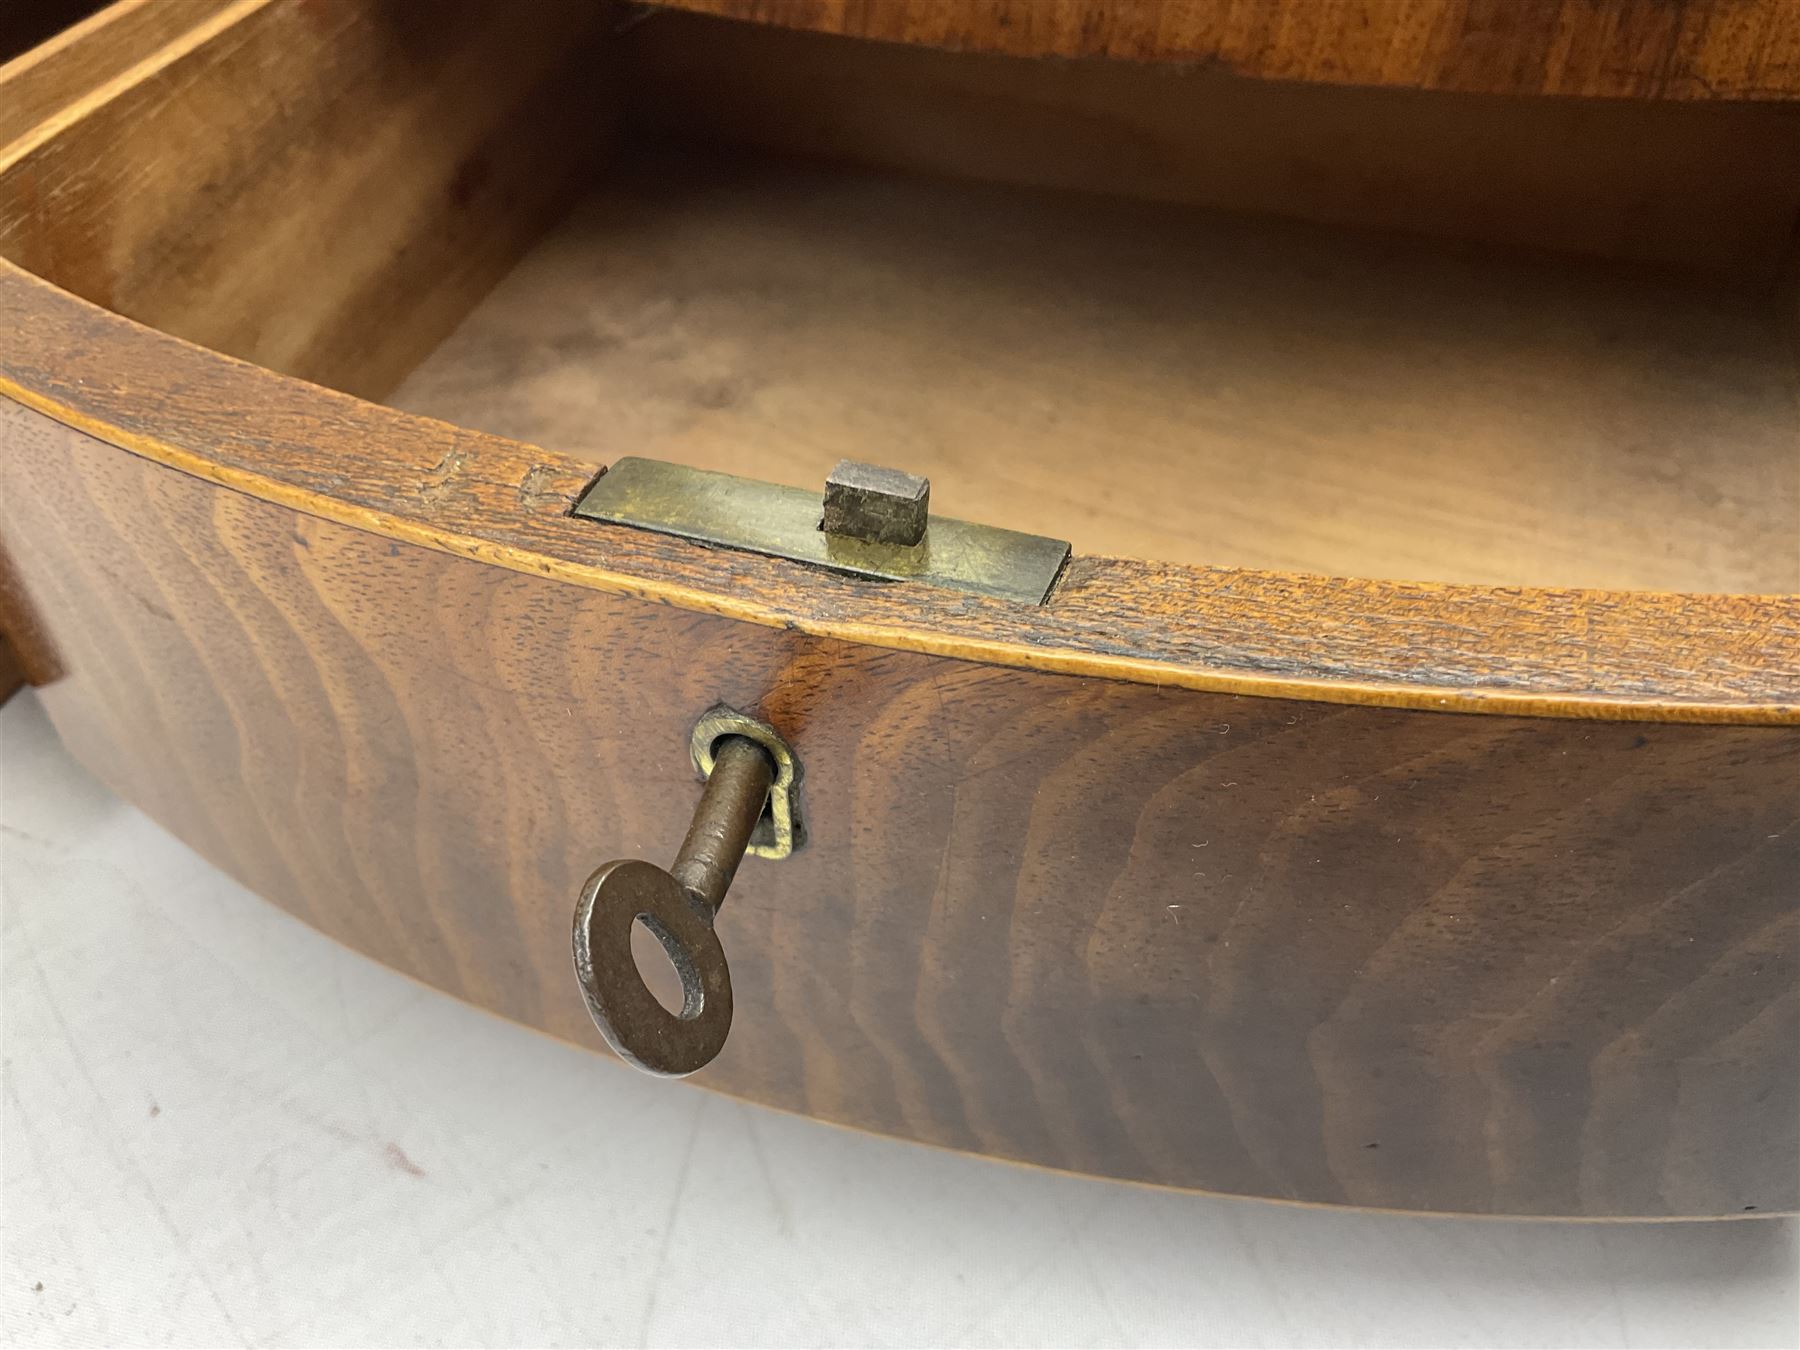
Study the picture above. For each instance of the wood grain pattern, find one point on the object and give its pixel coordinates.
(1632, 655)
(1152, 382)
(1261, 946)
(1168, 879)
(378, 170)
(47, 77)
(1698, 49)
(1707, 186)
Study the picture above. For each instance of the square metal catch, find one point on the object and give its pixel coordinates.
(876, 504)
(725, 511)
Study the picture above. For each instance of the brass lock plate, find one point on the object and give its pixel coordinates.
(781, 829)
(727, 511)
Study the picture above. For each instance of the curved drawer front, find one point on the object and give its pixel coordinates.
(1267, 946)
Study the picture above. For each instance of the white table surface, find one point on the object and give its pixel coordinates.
(222, 1128)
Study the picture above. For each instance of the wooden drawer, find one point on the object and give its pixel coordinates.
(1394, 800)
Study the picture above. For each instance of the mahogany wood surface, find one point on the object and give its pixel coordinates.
(1358, 955)
(1696, 49)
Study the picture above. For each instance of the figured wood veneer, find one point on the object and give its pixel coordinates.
(1348, 954)
(1473, 898)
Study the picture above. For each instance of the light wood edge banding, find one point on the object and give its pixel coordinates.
(70, 384)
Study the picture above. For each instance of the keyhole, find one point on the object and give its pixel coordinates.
(658, 969)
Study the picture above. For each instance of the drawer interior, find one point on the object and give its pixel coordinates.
(1161, 313)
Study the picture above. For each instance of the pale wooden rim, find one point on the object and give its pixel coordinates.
(1603, 655)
